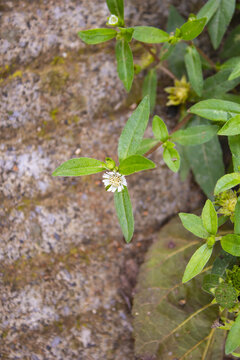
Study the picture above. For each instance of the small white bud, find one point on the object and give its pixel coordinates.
(113, 20)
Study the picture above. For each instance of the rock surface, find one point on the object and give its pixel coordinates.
(66, 273)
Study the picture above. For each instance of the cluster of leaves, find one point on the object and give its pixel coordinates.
(214, 112)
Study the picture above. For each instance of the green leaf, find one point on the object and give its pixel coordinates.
(219, 84)
(234, 144)
(197, 262)
(222, 219)
(116, 7)
(207, 164)
(208, 10)
(231, 244)
(125, 65)
(227, 182)
(159, 129)
(226, 295)
(231, 127)
(232, 44)
(223, 261)
(170, 316)
(97, 36)
(184, 164)
(237, 217)
(133, 131)
(149, 34)
(172, 159)
(195, 135)
(134, 164)
(150, 87)
(220, 21)
(210, 281)
(176, 60)
(175, 20)
(192, 28)
(79, 167)
(146, 145)
(216, 110)
(123, 208)
(209, 218)
(194, 69)
(233, 339)
(194, 224)
(235, 73)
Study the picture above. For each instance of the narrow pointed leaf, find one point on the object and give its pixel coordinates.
(231, 127)
(234, 144)
(150, 87)
(195, 135)
(233, 338)
(237, 217)
(135, 163)
(191, 29)
(133, 131)
(208, 10)
(197, 262)
(216, 110)
(209, 218)
(171, 158)
(97, 36)
(232, 44)
(175, 19)
(116, 7)
(231, 244)
(159, 129)
(194, 69)
(235, 73)
(146, 145)
(125, 65)
(227, 182)
(79, 167)
(124, 211)
(149, 34)
(219, 84)
(220, 21)
(194, 224)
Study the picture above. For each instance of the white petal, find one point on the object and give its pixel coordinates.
(120, 188)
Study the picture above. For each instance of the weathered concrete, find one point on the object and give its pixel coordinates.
(66, 274)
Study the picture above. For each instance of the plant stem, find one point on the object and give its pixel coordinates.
(177, 127)
(157, 59)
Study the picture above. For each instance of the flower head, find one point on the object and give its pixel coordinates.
(112, 20)
(179, 92)
(227, 202)
(114, 181)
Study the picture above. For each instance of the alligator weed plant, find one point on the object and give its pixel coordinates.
(209, 109)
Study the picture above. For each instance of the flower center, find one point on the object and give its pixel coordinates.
(115, 180)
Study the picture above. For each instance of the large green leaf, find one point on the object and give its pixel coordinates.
(79, 167)
(227, 182)
(231, 127)
(208, 10)
(234, 144)
(149, 34)
(220, 21)
(124, 211)
(236, 72)
(219, 84)
(116, 7)
(195, 135)
(216, 110)
(194, 224)
(135, 163)
(97, 36)
(233, 339)
(125, 65)
(150, 87)
(192, 28)
(133, 131)
(232, 44)
(231, 244)
(173, 320)
(194, 69)
(207, 164)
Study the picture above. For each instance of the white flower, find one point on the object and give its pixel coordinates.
(113, 20)
(115, 180)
